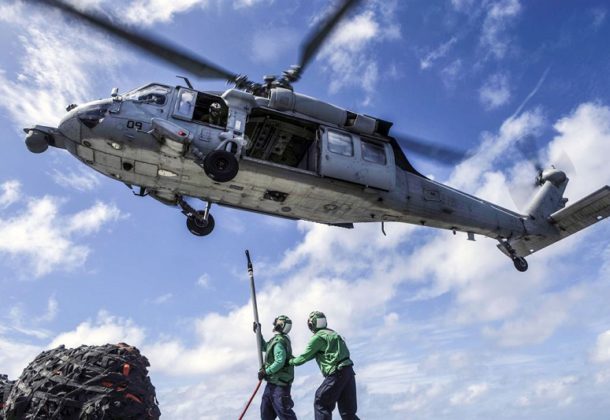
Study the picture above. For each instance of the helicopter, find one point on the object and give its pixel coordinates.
(263, 147)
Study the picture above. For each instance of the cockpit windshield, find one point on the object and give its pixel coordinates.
(151, 94)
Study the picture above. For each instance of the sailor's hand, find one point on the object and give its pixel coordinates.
(291, 361)
(255, 326)
(262, 374)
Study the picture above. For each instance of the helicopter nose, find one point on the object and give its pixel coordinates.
(83, 117)
(70, 127)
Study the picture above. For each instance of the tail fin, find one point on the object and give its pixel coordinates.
(565, 222)
(549, 198)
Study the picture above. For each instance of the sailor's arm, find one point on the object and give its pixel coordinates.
(315, 345)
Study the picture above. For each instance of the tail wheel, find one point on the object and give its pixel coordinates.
(220, 165)
(198, 226)
(520, 264)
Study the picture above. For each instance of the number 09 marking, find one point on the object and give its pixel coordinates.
(134, 124)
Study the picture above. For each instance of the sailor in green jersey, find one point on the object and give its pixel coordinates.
(276, 400)
(331, 354)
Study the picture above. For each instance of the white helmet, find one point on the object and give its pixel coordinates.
(282, 324)
(316, 321)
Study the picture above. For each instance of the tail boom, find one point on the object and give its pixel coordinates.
(565, 222)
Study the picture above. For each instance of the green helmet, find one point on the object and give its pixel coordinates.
(282, 324)
(316, 321)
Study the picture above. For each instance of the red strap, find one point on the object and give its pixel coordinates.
(133, 397)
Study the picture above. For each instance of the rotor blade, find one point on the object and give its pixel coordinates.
(315, 39)
(434, 151)
(564, 163)
(156, 47)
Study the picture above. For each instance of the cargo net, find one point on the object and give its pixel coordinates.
(5, 389)
(88, 382)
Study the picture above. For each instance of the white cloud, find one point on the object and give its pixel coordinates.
(105, 329)
(44, 239)
(537, 322)
(599, 15)
(557, 390)
(462, 5)
(469, 395)
(159, 300)
(601, 353)
(204, 281)
(268, 45)
(14, 356)
(149, 12)
(389, 377)
(349, 53)
(10, 192)
(584, 136)
(92, 219)
(420, 397)
(52, 311)
(56, 69)
(495, 92)
(440, 52)
(452, 73)
(500, 15)
(81, 180)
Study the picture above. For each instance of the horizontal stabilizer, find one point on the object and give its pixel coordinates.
(584, 213)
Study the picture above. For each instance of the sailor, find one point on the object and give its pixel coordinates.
(215, 114)
(332, 355)
(276, 400)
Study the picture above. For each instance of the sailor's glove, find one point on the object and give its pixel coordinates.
(262, 374)
(255, 326)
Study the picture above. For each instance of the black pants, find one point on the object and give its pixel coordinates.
(337, 389)
(276, 402)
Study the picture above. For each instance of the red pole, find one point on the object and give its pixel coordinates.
(243, 413)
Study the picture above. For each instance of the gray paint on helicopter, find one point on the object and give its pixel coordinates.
(265, 148)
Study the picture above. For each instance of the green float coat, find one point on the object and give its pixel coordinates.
(278, 352)
(328, 348)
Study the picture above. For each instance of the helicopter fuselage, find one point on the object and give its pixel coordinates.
(298, 158)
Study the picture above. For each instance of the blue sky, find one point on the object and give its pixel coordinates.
(439, 327)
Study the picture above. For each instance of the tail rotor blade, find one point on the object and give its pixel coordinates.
(564, 163)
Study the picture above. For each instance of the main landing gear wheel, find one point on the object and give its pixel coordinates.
(197, 224)
(520, 264)
(220, 165)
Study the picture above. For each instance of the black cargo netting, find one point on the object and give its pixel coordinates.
(89, 382)
(5, 389)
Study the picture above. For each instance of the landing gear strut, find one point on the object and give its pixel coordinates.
(198, 222)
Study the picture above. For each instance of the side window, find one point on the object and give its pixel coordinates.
(210, 109)
(186, 104)
(373, 152)
(340, 143)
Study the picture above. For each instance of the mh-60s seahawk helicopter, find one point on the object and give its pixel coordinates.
(264, 147)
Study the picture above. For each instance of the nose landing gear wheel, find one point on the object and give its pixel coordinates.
(220, 165)
(520, 264)
(198, 226)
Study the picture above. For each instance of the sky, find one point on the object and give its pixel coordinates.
(438, 326)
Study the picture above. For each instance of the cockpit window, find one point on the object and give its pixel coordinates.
(152, 94)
